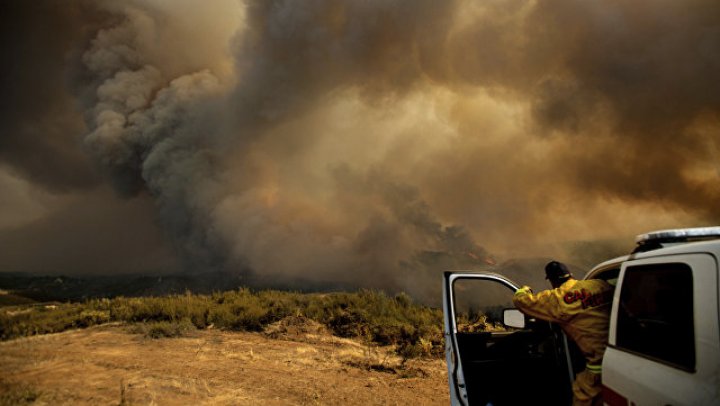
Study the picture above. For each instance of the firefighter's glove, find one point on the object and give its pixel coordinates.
(523, 291)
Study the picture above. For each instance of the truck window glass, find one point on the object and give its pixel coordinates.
(655, 313)
(479, 305)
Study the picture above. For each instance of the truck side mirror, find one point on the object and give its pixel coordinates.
(513, 318)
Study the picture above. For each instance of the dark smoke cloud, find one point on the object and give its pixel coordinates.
(378, 142)
(90, 233)
(40, 125)
(653, 66)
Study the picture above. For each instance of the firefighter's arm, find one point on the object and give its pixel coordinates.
(544, 305)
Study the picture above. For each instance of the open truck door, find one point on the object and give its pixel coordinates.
(495, 355)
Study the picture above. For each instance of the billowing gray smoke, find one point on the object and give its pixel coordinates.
(376, 143)
(202, 144)
(148, 130)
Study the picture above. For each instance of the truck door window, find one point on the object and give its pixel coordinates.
(479, 305)
(655, 314)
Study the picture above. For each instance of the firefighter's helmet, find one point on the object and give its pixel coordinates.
(555, 270)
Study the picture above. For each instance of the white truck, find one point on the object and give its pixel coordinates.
(663, 341)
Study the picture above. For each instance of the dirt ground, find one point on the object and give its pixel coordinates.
(107, 365)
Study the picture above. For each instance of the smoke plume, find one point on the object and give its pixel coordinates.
(375, 143)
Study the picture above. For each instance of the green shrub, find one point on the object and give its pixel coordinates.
(370, 315)
(164, 329)
(89, 318)
(17, 322)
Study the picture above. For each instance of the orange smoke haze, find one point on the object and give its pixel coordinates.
(369, 143)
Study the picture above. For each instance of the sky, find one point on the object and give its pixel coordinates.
(365, 142)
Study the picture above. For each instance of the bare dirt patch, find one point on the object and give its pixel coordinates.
(293, 363)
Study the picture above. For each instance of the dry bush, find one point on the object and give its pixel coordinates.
(415, 330)
(164, 329)
(17, 394)
(294, 328)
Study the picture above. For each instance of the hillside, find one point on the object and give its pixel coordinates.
(287, 364)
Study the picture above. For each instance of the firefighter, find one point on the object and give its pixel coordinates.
(582, 309)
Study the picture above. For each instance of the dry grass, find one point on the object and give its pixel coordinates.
(20, 394)
(107, 365)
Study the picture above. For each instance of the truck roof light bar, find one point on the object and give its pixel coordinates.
(655, 239)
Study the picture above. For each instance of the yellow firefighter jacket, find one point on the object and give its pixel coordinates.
(581, 308)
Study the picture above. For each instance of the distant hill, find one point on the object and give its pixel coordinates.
(44, 288)
(70, 288)
(11, 299)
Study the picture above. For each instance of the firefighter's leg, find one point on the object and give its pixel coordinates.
(587, 389)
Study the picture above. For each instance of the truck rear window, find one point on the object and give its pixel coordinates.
(655, 313)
